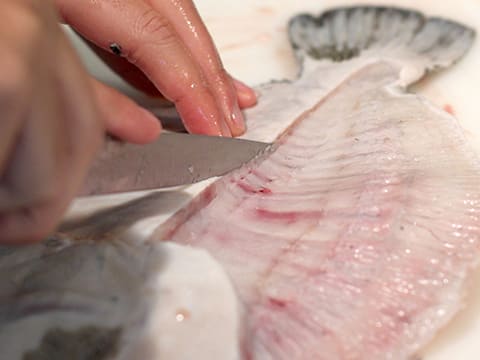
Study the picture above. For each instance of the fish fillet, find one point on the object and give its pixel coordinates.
(351, 238)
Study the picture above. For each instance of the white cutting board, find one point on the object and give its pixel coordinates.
(251, 37)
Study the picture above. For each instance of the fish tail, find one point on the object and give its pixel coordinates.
(420, 44)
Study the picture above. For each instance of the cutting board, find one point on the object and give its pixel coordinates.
(251, 38)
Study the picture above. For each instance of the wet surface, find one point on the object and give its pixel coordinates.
(261, 53)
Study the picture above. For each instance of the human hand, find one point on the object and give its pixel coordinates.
(164, 47)
(50, 126)
(54, 115)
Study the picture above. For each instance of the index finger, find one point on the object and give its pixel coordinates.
(148, 40)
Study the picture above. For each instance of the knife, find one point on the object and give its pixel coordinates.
(174, 159)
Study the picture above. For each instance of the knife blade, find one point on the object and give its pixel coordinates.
(174, 159)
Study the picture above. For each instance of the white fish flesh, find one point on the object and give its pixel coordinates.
(352, 238)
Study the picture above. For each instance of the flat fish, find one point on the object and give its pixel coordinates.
(354, 236)
(351, 238)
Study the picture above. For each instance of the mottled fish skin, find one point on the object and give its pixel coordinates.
(107, 299)
(355, 236)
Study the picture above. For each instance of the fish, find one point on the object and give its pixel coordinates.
(353, 237)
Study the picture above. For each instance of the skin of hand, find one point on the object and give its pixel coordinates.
(165, 46)
(54, 116)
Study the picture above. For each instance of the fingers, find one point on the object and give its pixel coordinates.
(149, 41)
(186, 21)
(61, 132)
(25, 142)
(123, 118)
(28, 183)
(14, 88)
(130, 73)
(245, 95)
(33, 158)
(84, 126)
(179, 59)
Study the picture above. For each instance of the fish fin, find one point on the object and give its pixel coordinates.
(420, 44)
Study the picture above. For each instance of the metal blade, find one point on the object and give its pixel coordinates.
(174, 159)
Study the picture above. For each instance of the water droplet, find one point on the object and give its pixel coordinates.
(182, 315)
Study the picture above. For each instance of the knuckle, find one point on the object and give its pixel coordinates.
(152, 23)
(179, 99)
(151, 28)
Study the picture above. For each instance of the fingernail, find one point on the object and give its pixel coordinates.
(237, 121)
(224, 129)
(246, 95)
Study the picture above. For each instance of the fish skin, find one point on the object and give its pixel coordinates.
(62, 298)
(377, 188)
(355, 236)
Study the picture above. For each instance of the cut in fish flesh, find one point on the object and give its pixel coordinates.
(351, 238)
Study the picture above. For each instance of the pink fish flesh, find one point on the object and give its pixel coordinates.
(354, 236)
